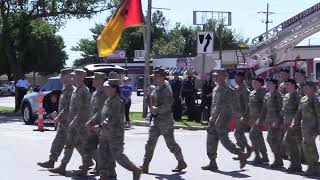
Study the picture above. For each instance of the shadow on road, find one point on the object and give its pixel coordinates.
(9, 117)
(176, 176)
(234, 174)
(71, 175)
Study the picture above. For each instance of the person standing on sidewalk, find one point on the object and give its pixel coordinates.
(126, 92)
(22, 87)
(62, 119)
(160, 101)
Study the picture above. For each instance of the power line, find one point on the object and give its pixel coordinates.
(267, 21)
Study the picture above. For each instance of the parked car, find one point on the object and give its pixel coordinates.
(139, 85)
(30, 102)
(7, 88)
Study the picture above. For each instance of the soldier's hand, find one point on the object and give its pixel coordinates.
(217, 124)
(89, 125)
(96, 128)
(275, 125)
(56, 120)
(242, 120)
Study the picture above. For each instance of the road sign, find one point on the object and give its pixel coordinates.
(205, 42)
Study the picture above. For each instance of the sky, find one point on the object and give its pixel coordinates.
(245, 18)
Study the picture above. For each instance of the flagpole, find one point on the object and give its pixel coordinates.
(147, 44)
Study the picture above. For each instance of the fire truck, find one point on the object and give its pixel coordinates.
(269, 50)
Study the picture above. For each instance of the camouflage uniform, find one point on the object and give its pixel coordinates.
(162, 124)
(241, 110)
(78, 116)
(255, 105)
(112, 137)
(306, 117)
(291, 141)
(271, 111)
(282, 89)
(97, 101)
(61, 136)
(218, 129)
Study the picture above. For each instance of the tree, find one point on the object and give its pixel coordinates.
(16, 16)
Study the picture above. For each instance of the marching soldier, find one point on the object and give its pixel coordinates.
(290, 107)
(271, 110)
(284, 76)
(112, 131)
(241, 112)
(62, 119)
(78, 116)
(300, 77)
(307, 119)
(255, 105)
(218, 129)
(160, 101)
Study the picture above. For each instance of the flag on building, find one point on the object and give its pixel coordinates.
(128, 14)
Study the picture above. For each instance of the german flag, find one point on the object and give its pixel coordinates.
(128, 14)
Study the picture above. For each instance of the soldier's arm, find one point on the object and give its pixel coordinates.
(114, 112)
(246, 104)
(96, 117)
(263, 115)
(298, 117)
(317, 109)
(63, 114)
(83, 103)
(280, 105)
(165, 107)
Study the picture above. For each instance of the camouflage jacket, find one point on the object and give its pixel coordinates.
(241, 102)
(306, 116)
(282, 89)
(255, 102)
(290, 107)
(79, 106)
(112, 115)
(221, 108)
(96, 104)
(271, 109)
(64, 103)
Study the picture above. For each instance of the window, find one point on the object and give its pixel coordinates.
(317, 70)
(47, 85)
(56, 85)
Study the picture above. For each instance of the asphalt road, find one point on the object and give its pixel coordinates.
(21, 148)
(136, 102)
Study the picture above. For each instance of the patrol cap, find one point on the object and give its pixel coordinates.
(66, 71)
(286, 70)
(309, 83)
(219, 71)
(259, 79)
(292, 81)
(240, 73)
(113, 79)
(273, 80)
(99, 75)
(189, 70)
(79, 72)
(301, 71)
(160, 71)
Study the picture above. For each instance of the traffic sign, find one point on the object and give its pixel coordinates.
(205, 42)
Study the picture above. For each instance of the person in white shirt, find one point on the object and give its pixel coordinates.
(22, 87)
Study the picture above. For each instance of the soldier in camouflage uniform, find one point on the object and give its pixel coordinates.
(271, 113)
(241, 112)
(289, 109)
(112, 131)
(284, 76)
(78, 116)
(160, 101)
(218, 129)
(255, 105)
(307, 118)
(61, 136)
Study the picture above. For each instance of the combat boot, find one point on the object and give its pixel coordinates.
(257, 160)
(265, 158)
(145, 168)
(113, 173)
(48, 164)
(313, 170)
(278, 163)
(91, 163)
(181, 165)
(136, 173)
(82, 172)
(212, 166)
(294, 168)
(59, 170)
(243, 159)
(104, 177)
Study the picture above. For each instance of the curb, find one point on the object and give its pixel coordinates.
(147, 124)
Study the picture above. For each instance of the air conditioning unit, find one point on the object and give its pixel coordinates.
(139, 54)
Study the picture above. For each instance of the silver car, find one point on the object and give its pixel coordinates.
(30, 102)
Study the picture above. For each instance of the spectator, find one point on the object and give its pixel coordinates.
(126, 92)
(22, 87)
(51, 107)
(176, 84)
(206, 95)
(188, 92)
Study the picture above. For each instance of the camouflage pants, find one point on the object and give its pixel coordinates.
(214, 135)
(58, 142)
(111, 150)
(292, 145)
(309, 146)
(274, 139)
(75, 139)
(168, 135)
(257, 141)
(90, 148)
(239, 134)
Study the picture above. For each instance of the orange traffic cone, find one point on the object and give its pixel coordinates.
(40, 114)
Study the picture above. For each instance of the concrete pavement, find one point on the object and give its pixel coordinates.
(21, 148)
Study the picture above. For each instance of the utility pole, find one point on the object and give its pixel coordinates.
(267, 21)
(147, 44)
